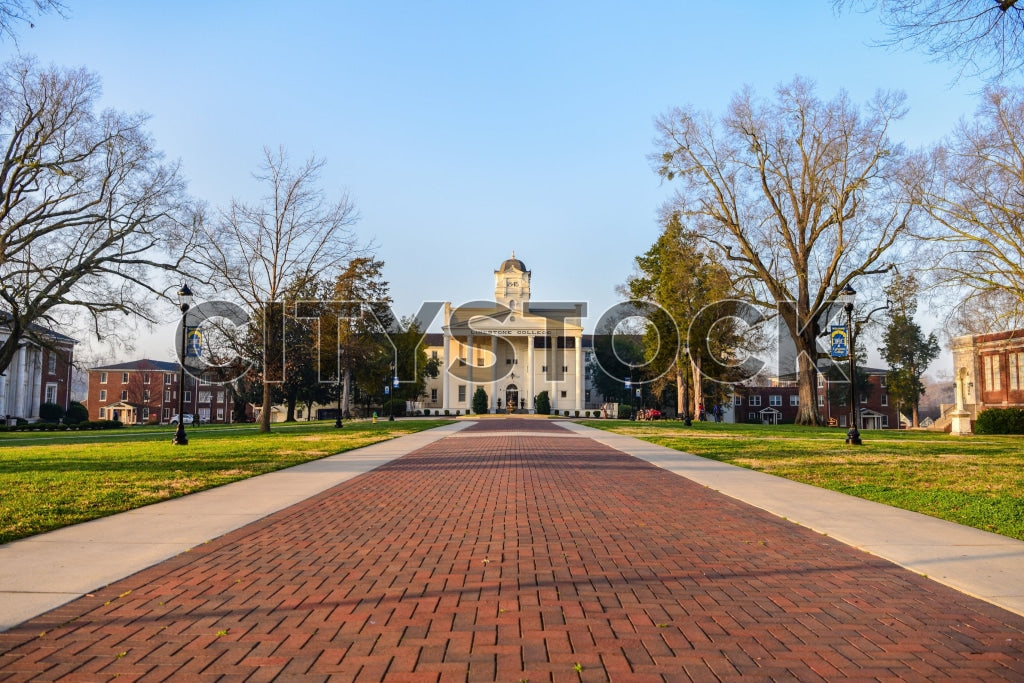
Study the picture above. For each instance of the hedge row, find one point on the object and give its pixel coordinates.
(1000, 421)
(50, 427)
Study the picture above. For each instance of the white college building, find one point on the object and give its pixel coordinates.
(513, 348)
(36, 375)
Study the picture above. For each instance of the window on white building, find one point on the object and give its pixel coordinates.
(993, 380)
(564, 394)
(433, 395)
(462, 393)
(1016, 370)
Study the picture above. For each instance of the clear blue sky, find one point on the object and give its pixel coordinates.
(464, 130)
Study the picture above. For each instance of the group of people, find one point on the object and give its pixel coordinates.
(702, 415)
(716, 413)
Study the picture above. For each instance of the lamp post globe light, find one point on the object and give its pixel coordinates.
(847, 297)
(184, 301)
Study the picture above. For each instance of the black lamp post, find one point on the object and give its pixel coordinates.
(848, 296)
(391, 403)
(184, 301)
(629, 395)
(337, 420)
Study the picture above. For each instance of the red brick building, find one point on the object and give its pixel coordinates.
(146, 392)
(779, 402)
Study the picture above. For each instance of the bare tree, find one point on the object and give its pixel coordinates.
(973, 188)
(255, 251)
(87, 208)
(800, 196)
(15, 12)
(986, 37)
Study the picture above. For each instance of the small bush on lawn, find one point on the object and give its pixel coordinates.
(1000, 421)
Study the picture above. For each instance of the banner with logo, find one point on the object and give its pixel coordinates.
(193, 342)
(839, 341)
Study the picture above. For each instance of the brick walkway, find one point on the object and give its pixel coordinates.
(508, 555)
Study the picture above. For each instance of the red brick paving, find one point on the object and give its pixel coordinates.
(511, 556)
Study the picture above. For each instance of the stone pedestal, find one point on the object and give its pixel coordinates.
(961, 423)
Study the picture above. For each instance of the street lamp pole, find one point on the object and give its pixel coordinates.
(848, 296)
(184, 301)
(629, 395)
(391, 403)
(337, 420)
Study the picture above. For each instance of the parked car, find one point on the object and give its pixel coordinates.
(186, 419)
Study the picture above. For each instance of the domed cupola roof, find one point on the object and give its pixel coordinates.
(511, 264)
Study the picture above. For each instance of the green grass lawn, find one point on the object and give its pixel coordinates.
(977, 480)
(51, 480)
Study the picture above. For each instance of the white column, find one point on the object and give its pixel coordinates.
(579, 373)
(494, 374)
(445, 375)
(529, 374)
(19, 385)
(3, 395)
(35, 396)
(469, 374)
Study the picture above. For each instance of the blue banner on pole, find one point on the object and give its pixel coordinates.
(839, 341)
(194, 342)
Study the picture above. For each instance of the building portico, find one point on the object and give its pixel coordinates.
(513, 348)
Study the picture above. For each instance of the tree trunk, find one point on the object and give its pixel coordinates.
(914, 415)
(698, 389)
(807, 377)
(680, 389)
(265, 411)
(290, 413)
